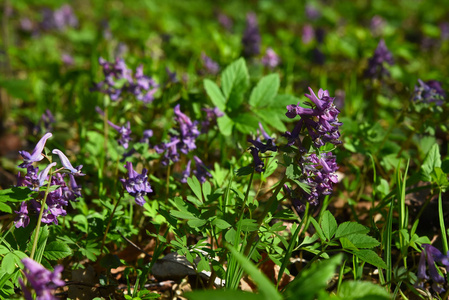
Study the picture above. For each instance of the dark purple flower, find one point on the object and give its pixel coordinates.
(22, 219)
(376, 68)
(429, 91)
(66, 163)
(320, 120)
(43, 281)
(36, 155)
(259, 166)
(251, 37)
(271, 59)
(431, 255)
(136, 185)
(171, 76)
(211, 118)
(210, 66)
(46, 120)
(144, 87)
(201, 171)
(188, 131)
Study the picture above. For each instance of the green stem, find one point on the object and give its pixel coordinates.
(263, 215)
(443, 228)
(39, 219)
(246, 195)
(109, 224)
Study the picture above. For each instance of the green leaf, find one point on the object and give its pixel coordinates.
(225, 125)
(266, 287)
(249, 225)
(9, 263)
(215, 94)
(235, 82)
(265, 91)
(195, 185)
(432, 160)
(362, 290)
(328, 224)
(246, 122)
(347, 244)
(318, 229)
(15, 194)
(41, 243)
(270, 117)
(313, 280)
(182, 215)
(222, 295)
(195, 223)
(57, 250)
(5, 208)
(371, 257)
(221, 224)
(363, 241)
(348, 228)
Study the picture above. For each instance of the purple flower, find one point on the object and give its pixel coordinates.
(308, 33)
(136, 185)
(271, 59)
(22, 219)
(251, 37)
(43, 281)
(431, 255)
(59, 19)
(125, 133)
(312, 13)
(429, 91)
(201, 171)
(67, 59)
(66, 163)
(259, 166)
(36, 155)
(376, 68)
(225, 21)
(42, 176)
(186, 172)
(119, 79)
(320, 120)
(319, 174)
(377, 25)
(211, 118)
(210, 66)
(188, 131)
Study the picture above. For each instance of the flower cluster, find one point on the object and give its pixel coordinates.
(58, 198)
(211, 118)
(182, 138)
(119, 79)
(125, 133)
(59, 20)
(136, 185)
(43, 281)
(376, 68)
(320, 120)
(429, 91)
(271, 59)
(251, 37)
(432, 255)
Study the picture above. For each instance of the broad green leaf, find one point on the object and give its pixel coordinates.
(234, 83)
(15, 194)
(371, 257)
(318, 229)
(265, 91)
(41, 243)
(268, 116)
(5, 208)
(348, 228)
(328, 224)
(347, 244)
(246, 122)
(265, 286)
(313, 280)
(195, 185)
(363, 241)
(362, 290)
(195, 223)
(249, 225)
(225, 125)
(57, 250)
(206, 189)
(182, 215)
(432, 160)
(9, 263)
(220, 223)
(222, 295)
(215, 94)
